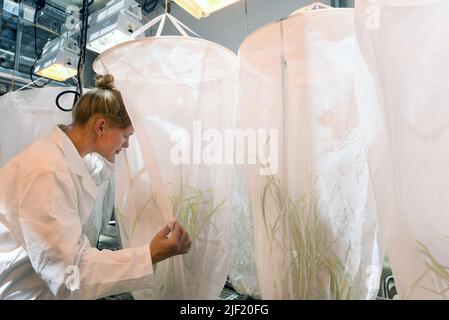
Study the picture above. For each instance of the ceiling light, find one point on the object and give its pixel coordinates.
(113, 24)
(59, 59)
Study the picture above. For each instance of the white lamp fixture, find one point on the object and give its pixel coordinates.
(202, 8)
(59, 60)
(113, 24)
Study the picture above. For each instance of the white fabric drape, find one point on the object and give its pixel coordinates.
(403, 93)
(27, 115)
(176, 88)
(314, 217)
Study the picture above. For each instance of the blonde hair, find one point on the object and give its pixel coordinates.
(104, 100)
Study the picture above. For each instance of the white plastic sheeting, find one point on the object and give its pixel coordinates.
(175, 89)
(403, 92)
(27, 115)
(314, 217)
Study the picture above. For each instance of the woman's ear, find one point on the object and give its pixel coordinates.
(100, 125)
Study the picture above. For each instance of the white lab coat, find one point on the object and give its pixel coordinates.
(46, 198)
(101, 172)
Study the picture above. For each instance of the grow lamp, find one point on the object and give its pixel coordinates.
(59, 59)
(113, 24)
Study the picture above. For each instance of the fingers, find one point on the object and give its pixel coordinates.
(187, 245)
(173, 227)
(184, 241)
(164, 232)
(176, 230)
(180, 238)
(162, 247)
(183, 236)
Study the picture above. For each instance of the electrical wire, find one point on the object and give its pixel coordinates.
(63, 93)
(82, 44)
(246, 18)
(84, 12)
(38, 8)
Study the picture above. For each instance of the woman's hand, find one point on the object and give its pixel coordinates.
(162, 247)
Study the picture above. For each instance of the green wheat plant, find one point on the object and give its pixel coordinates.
(195, 210)
(191, 205)
(311, 269)
(433, 267)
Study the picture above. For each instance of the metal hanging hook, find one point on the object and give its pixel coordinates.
(167, 6)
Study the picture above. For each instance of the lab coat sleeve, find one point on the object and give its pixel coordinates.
(62, 255)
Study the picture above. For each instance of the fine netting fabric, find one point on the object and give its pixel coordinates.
(181, 95)
(403, 92)
(315, 221)
(242, 267)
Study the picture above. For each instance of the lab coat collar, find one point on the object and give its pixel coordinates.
(74, 160)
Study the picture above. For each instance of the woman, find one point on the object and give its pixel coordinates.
(46, 197)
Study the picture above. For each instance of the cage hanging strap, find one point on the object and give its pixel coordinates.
(145, 27)
(161, 26)
(181, 27)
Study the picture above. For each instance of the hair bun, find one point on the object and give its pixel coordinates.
(105, 82)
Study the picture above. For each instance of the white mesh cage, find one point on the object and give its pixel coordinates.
(403, 92)
(29, 114)
(314, 216)
(175, 89)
